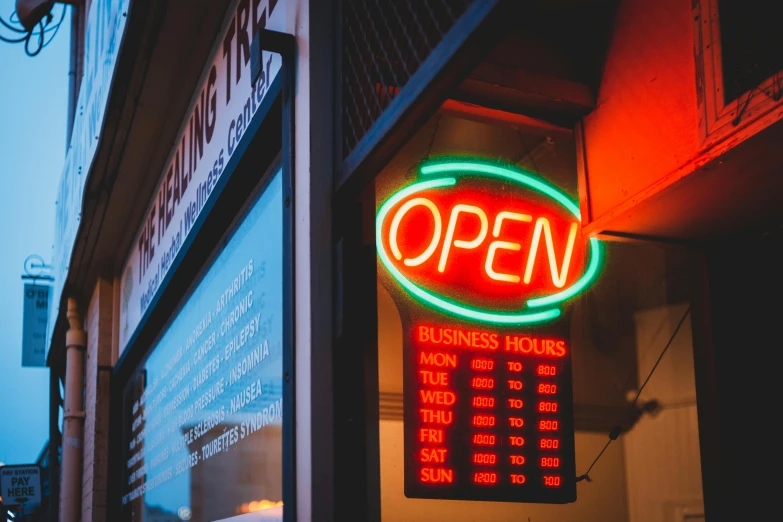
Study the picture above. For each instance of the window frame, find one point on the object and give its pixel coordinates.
(717, 118)
(205, 242)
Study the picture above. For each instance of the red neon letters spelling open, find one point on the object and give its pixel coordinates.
(495, 246)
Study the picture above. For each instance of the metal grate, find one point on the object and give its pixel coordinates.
(384, 42)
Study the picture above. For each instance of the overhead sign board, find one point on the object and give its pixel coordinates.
(20, 485)
(220, 113)
(481, 259)
(103, 36)
(34, 321)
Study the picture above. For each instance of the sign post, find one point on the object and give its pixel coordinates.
(34, 323)
(35, 319)
(481, 259)
(20, 485)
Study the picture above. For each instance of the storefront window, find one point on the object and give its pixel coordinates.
(636, 311)
(202, 431)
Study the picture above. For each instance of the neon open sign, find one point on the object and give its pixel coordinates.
(486, 242)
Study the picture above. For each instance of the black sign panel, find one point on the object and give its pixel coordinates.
(488, 411)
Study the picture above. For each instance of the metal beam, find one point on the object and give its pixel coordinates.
(516, 90)
(483, 114)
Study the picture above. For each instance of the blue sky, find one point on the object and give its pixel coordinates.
(33, 112)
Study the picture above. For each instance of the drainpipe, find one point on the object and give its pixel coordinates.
(73, 417)
(54, 442)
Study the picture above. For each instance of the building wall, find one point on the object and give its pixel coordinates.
(98, 363)
(662, 135)
(745, 281)
(312, 23)
(645, 125)
(663, 464)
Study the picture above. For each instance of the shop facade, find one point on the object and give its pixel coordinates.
(302, 222)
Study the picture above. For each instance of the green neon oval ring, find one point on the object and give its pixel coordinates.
(520, 177)
(453, 307)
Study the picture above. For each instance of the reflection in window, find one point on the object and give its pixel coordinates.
(203, 413)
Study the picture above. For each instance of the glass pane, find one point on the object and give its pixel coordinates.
(203, 413)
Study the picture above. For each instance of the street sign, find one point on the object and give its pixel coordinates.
(20, 485)
(34, 322)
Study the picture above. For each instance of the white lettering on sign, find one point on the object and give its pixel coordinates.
(220, 114)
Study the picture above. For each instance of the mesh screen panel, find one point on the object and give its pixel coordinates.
(384, 43)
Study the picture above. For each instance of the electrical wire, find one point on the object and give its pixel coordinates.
(11, 40)
(36, 39)
(671, 339)
(56, 28)
(40, 36)
(11, 27)
(617, 430)
(528, 153)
